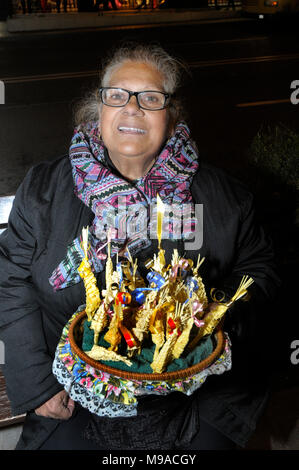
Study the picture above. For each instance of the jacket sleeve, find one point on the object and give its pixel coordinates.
(254, 255)
(252, 324)
(28, 366)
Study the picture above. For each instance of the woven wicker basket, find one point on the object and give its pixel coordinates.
(165, 376)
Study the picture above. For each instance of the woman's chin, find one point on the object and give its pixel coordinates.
(131, 151)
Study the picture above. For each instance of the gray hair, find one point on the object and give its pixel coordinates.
(169, 67)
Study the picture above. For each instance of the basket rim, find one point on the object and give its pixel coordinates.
(178, 374)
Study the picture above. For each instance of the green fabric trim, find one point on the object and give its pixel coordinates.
(142, 361)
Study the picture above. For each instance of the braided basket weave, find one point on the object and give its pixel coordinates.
(165, 376)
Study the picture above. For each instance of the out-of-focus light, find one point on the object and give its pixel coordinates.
(271, 3)
(5, 208)
(261, 17)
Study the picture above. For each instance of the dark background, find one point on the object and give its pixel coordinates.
(231, 63)
(238, 78)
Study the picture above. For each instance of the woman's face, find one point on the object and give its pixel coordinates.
(131, 132)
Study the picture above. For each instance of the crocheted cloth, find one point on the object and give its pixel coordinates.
(127, 207)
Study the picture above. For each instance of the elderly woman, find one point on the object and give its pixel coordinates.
(129, 142)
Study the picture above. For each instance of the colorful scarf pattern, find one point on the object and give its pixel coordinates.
(120, 204)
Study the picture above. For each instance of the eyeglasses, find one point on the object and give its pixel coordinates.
(118, 97)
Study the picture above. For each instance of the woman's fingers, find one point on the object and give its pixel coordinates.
(70, 405)
(60, 406)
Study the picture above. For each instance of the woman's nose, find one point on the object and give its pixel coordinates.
(132, 106)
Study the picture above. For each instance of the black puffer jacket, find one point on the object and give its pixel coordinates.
(47, 216)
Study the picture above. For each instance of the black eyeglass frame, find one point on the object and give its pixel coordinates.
(136, 94)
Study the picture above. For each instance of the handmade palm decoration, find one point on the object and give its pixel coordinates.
(152, 335)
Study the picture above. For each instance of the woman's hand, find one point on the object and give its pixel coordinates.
(60, 406)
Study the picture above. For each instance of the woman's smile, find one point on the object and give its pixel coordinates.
(131, 130)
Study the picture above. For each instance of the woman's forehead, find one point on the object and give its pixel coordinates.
(130, 74)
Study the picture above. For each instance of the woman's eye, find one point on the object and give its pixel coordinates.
(151, 98)
(116, 96)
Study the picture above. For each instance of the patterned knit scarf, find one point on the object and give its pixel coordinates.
(128, 208)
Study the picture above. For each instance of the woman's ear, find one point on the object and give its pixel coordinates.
(171, 125)
(99, 117)
(170, 133)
